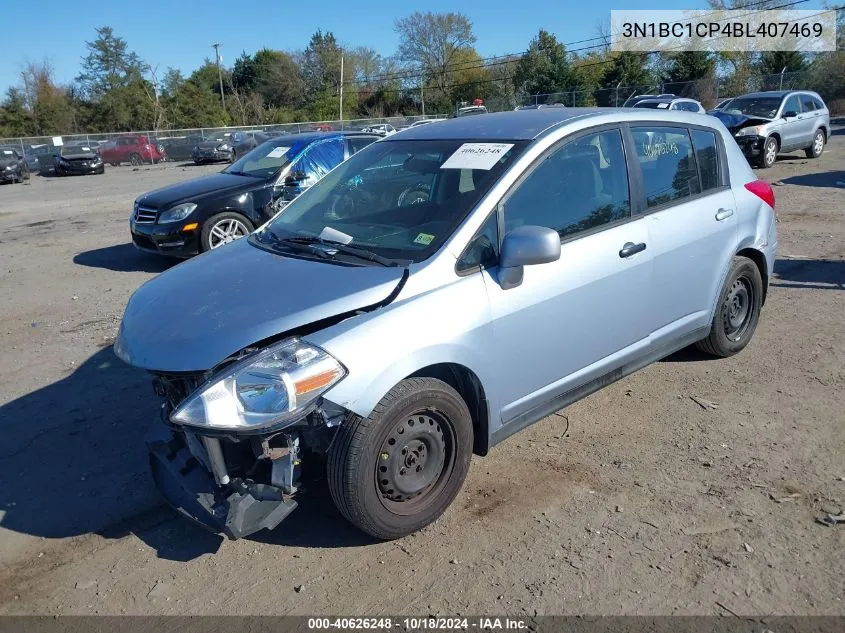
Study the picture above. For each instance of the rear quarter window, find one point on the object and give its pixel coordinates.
(707, 158)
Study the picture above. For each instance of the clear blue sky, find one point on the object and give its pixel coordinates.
(179, 33)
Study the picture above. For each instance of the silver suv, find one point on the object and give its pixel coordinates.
(768, 123)
(435, 293)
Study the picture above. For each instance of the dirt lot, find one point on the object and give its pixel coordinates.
(649, 503)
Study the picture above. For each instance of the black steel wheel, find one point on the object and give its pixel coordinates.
(738, 310)
(397, 470)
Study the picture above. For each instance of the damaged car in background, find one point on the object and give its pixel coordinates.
(766, 124)
(394, 318)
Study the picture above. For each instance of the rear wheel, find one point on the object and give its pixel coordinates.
(397, 470)
(769, 154)
(224, 228)
(815, 150)
(738, 310)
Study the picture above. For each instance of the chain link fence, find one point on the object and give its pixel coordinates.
(257, 133)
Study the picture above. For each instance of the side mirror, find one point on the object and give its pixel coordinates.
(790, 114)
(526, 246)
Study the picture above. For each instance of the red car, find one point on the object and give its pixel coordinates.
(131, 149)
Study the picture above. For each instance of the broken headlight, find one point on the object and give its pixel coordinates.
(754, 130)
(269, 389)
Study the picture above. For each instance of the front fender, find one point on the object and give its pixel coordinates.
(450, 324)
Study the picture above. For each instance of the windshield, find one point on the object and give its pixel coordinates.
(399, 199)
(662, 105)
(763, 107)
(265, 161)
(68, 150)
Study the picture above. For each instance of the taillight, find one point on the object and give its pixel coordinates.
(762, 190)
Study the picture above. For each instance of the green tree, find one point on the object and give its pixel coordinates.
(432, 41)
(15, 119)
(544, 68)
(773, 62)
(689, 66)
(109, 64)
(628, 72)
(321, 63)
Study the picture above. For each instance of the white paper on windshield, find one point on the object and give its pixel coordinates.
(663, 105)
(7, 152)
(278, 152)
(86, 149)
(476, 156)
(57, 141)
(334, 235)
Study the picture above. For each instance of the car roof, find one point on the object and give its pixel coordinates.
(530, 124)
(775, 93)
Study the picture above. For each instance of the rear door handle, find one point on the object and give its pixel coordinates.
(631, 249)
(723, 214)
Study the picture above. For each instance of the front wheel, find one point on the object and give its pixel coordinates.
(769, 154)
(737, 312)
(815, 150)
(397, 470)
(223, 228)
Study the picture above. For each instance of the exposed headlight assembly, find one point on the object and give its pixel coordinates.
(177, 213)
(754, 130)
(270, 389)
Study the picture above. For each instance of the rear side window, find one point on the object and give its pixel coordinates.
(707, 157)
(687, 106)
(818, 102)
(807, 103)
(667, 163)
(578, 186)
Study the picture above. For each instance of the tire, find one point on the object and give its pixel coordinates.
(135, 159)
(209, 239)
(737, 312)
(815, 150)
(377, 489)
(769, 154)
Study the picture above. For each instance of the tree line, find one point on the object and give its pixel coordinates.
(435, 68)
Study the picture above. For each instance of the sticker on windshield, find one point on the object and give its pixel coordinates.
(477, 156)
(424, 238)
(333, 235)
(278, 152)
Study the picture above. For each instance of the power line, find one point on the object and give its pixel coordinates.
(507, 58)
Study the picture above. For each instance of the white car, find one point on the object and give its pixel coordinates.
(671, 103)
(382, 129)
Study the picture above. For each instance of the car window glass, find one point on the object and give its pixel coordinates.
(576, 187)
(707, 158)
(483, 249)
(818, 103)
(807, 103)
(792, 105)
(357, 143)
(687, 106)
(666, 160)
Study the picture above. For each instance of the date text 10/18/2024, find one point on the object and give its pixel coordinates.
(418, 624)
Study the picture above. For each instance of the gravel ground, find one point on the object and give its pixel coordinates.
(636, 500)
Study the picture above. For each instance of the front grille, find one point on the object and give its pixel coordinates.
(145, 215)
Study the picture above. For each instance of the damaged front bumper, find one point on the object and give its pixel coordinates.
(237, 507)
(751, 145)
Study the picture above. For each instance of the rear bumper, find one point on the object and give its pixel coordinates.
(165, 239)
(237, 510)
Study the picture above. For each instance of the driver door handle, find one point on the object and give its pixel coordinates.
(723, 214)
(631, 249)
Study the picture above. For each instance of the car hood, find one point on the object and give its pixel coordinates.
(197, 314)
(211, 145)
(7, 161)
(735, 122)
(214, 184)
(80, 156)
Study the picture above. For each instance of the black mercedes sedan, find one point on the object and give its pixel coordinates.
(13, 167)
(213, 149)
(205, 213)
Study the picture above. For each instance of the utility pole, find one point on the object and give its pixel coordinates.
(341, 91)
(216, 46)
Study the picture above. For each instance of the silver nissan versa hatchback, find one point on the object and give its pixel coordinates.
(434, 294)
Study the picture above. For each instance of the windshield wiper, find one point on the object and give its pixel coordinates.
(270, 238)
(243, 173)
(340, 247)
